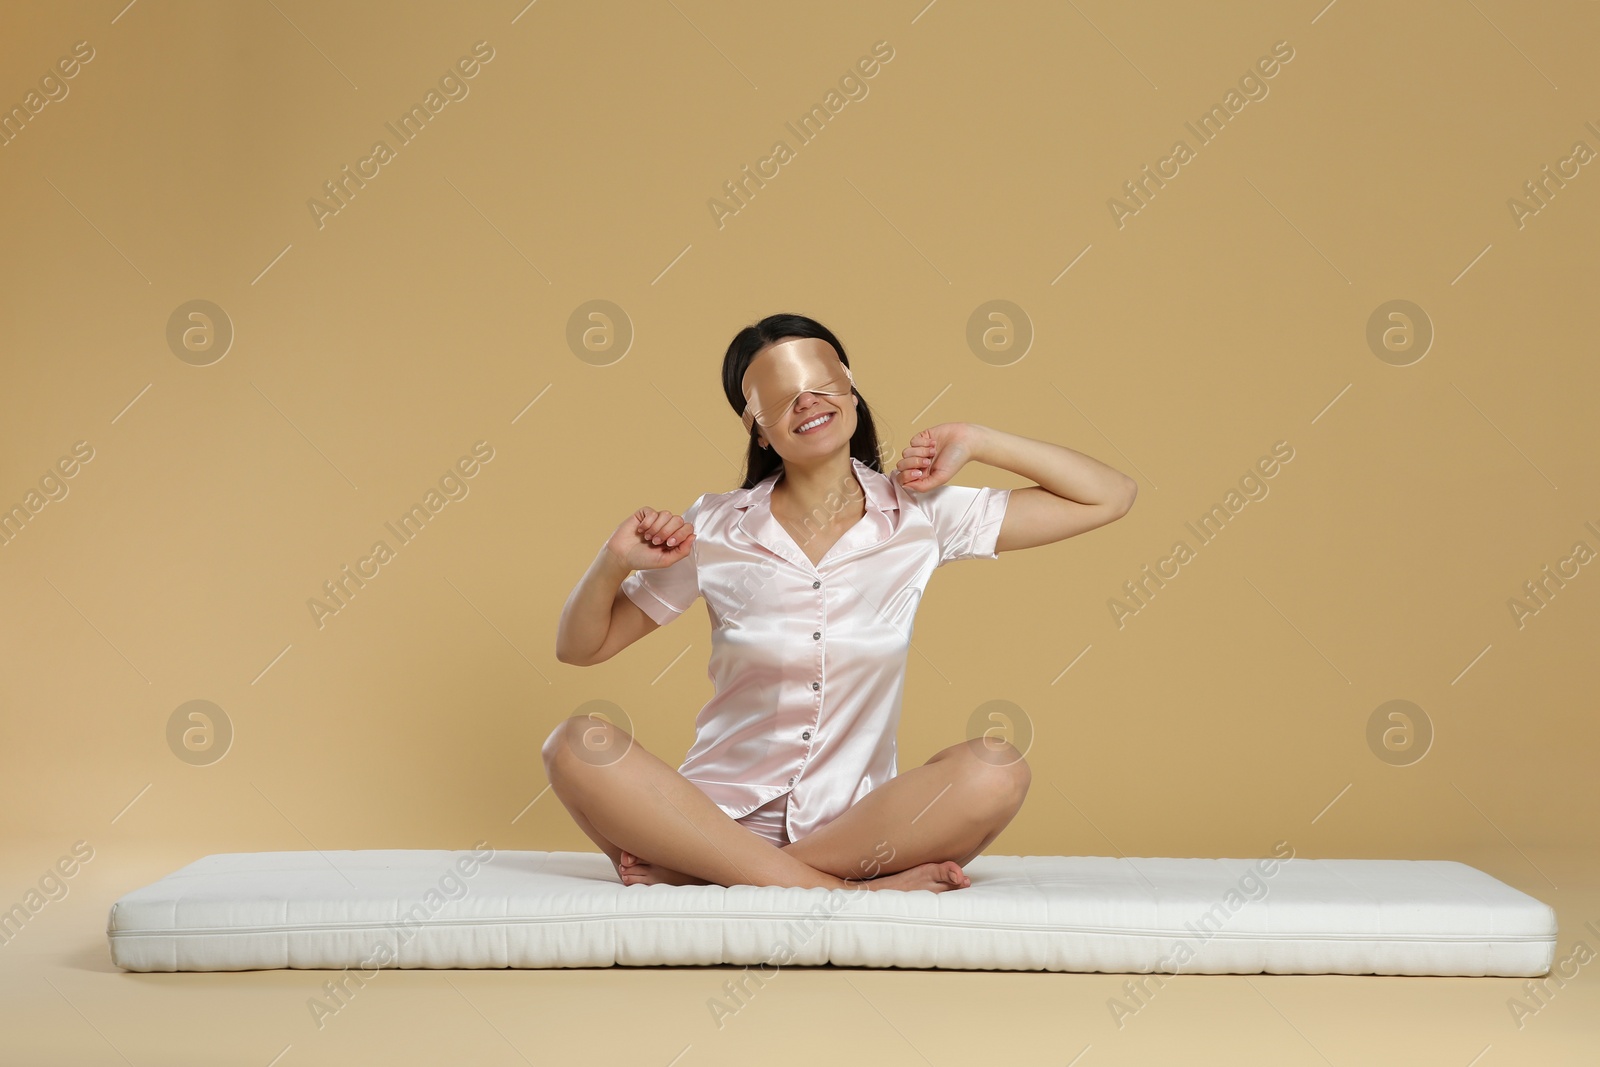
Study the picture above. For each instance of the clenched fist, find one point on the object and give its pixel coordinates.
(648, 539)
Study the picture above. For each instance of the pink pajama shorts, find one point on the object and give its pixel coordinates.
(767, 820)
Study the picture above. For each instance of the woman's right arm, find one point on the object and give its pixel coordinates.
(599, 620)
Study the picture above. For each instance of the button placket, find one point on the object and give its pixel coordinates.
(816, 685)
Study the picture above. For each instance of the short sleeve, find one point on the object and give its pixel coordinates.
(966, 519)
(664, 593)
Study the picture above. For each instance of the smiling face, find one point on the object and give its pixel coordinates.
(800, 382)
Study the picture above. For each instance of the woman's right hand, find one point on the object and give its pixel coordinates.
(641, 542)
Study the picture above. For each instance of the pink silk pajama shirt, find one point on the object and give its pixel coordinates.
(809, 662)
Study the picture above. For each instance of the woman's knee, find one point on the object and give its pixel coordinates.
(585, 741)
(998, 771)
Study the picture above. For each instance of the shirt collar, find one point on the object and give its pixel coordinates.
(879, 489)
(755, 518)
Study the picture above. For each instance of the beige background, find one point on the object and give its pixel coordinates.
(432, 312)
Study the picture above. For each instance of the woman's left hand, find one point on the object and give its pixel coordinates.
(934, 455)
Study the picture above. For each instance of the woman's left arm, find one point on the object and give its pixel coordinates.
(1076, 493)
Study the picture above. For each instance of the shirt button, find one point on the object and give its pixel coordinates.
(817, 636)
(792, 777)
(806, 736)
(816, 685)
(816, 585)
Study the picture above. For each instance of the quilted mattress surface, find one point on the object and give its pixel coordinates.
(368, 909)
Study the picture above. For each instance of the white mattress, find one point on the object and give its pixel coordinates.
(408, 908)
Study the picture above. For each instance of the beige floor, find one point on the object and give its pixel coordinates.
(65, 1003)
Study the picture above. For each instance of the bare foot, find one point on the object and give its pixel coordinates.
(634, 871)
(937, 877)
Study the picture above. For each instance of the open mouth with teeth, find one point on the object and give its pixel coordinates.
(815, 423)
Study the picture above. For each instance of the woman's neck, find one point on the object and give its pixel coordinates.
(828, 491)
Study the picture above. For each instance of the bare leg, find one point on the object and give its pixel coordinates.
(951, 807)
(626, 799)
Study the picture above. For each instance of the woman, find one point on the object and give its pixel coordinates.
(812, 573)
